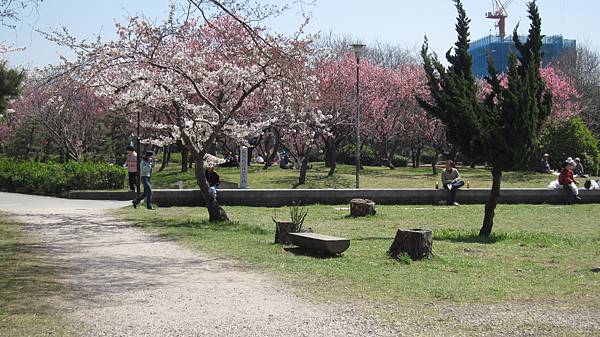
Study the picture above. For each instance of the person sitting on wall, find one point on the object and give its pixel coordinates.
(591, 184)
(284, 163)
(578, 170)
(451, 181)
(567, 180)
(230, 161)
(213, 179)
(544, 165)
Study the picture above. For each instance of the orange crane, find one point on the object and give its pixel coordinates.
(499, 13)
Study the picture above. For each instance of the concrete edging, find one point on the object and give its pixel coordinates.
(285, 197)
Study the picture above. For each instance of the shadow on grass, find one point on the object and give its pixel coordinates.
(451, 235)
(26, 280)
(228, 226)
(374, 238)
(303, 252)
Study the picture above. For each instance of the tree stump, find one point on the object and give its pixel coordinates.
(362, 207)
(417, 243)
(282, 232)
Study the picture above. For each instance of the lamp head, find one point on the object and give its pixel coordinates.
(359, 49)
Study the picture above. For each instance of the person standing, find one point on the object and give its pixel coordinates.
(213, 180)
(451, 181)
(567, 180)
(146, 167)
(131, 164)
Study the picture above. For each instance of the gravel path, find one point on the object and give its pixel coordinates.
(126, 282)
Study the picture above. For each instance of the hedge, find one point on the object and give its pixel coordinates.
(58, 179)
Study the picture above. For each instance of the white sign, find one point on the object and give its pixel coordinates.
(244, 167)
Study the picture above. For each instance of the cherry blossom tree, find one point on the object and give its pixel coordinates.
(336, 100)
(67, 107)
(202, 75)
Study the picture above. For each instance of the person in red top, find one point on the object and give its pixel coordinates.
(567, 180)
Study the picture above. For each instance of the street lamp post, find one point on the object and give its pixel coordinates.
(358, 52)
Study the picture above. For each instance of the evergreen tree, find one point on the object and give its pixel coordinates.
(503, 128)
(10, 85)
(454, 90)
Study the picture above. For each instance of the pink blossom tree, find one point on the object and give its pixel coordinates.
(67, 107)
(337, 77)
(202, 75)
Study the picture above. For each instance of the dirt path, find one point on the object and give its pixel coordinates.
(129, 283)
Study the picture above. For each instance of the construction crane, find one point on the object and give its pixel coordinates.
(499, 13)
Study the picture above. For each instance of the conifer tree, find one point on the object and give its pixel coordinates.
(502, 128)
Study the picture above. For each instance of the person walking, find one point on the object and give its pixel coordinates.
(567, 180)
(213, 179)
(131, 164)
(146, 167)
(451, 181)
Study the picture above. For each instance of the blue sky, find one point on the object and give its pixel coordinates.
(402, 22)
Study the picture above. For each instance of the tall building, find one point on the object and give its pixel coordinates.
(500, 48)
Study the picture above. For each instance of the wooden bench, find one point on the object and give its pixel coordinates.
(323, 244)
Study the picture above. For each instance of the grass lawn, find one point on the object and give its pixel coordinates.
(537, 252)
(372, 177)
(26, 284)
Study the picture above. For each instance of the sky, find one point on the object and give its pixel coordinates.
(399, 22)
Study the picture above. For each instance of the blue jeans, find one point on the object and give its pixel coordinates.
(213, 192)
(147, 193)
(455, 187)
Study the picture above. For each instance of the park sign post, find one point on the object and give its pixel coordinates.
(244, 167)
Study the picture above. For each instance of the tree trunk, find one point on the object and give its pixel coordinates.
(416, 243)
(271, 156)
(490, 206)
(434, 164)
(330, 158)
(215, 212)
(303, 168)
(418, 158)
(184, 159)
(166, 155)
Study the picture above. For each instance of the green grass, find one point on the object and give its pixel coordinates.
(537, 252)
(372, 177)
(27, 282)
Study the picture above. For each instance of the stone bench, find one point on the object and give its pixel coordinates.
(319, 243)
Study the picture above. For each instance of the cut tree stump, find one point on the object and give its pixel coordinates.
(362, 207)
(282, 232)
(416, 243)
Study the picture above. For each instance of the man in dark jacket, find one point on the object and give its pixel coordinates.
(213, 179)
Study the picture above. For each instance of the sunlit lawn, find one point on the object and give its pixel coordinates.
(372, 177)
(537, 252)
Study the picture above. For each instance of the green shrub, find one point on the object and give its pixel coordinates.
(571, 139)
(368, 156)
(399, 161)
(58, 179)
(427, 158)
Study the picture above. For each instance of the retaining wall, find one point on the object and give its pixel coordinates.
(284, 197)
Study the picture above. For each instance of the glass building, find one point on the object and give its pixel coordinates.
(499, 49)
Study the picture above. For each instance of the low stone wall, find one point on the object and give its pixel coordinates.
(284, 197)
